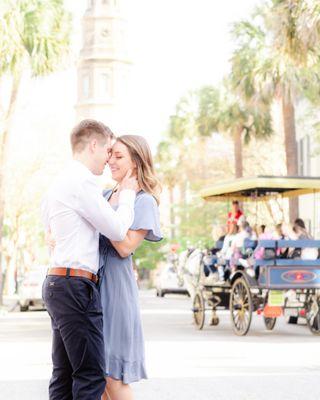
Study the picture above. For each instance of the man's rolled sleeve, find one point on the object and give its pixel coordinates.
(95, 209)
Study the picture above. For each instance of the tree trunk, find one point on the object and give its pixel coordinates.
(291, 150)
(237, 141)
(3, 161)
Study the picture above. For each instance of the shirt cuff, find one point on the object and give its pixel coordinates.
(128, 197)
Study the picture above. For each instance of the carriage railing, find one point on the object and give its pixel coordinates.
(277, 245)
(285, 273)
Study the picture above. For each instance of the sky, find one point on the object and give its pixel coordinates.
(174, 45)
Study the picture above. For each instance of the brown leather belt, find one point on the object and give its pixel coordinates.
(73, 273)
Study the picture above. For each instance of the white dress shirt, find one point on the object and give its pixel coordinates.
(75, 212)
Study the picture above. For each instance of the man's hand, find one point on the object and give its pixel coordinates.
(129, 182)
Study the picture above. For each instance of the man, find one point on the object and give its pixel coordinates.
(235, 216)
(75, 212)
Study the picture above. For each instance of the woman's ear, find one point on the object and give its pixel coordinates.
(134, 167)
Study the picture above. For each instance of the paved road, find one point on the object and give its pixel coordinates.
(183, 363)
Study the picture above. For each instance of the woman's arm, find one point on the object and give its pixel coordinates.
(130, 243)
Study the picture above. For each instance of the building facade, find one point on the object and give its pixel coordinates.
(309, 165)
(103, 66)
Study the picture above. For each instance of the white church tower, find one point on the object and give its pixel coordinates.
(103, 69)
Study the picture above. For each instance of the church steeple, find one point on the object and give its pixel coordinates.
(103, 64)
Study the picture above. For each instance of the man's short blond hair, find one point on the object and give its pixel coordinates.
(87, 129)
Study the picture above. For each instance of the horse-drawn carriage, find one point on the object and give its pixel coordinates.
(264, 291)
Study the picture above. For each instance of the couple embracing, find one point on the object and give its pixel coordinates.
(90, 290)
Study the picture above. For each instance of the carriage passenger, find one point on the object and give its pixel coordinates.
(235, 216)
(225, 253)
(211, 258)
(237, 245)
(260, 252)
(298, 232)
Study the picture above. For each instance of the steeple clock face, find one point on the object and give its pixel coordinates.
(104, 34)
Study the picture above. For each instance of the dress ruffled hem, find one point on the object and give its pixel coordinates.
(126, 371)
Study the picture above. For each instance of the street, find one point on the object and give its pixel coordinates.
(183, 363)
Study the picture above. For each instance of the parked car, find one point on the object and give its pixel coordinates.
(167, 281)
(30, 288)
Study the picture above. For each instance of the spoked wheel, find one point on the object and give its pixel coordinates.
(313, 315)
(199, 310)
(241, 307)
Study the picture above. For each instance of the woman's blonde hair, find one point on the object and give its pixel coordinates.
(140, 154)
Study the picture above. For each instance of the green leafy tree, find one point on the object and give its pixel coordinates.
(277, 57)
(222, 111)
(35, 36)
(149, 254)
(187, 162)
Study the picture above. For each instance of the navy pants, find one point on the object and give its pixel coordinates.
(74, 306)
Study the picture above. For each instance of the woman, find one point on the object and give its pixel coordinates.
(306, 253)
(124, 345)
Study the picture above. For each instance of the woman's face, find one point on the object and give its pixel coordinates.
(120, 162)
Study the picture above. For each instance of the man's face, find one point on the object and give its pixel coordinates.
(235, 207)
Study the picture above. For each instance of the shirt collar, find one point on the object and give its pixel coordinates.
(81, 168)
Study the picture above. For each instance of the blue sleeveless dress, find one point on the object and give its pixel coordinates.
(122, 330)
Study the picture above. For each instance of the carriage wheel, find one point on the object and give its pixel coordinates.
(313, 315)
(241, 307)
(269, 323)
(199, 310)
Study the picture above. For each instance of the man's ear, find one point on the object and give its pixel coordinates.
(93, 145)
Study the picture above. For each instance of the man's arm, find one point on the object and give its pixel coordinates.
(96, 210)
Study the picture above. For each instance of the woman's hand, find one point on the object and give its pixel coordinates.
(129, 182)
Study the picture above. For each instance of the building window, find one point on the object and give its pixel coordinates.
(105, 84)
(85, 86)
(304, 156)
(90, 4)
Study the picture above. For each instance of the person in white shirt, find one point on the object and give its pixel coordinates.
(75, 212)
(225, 253)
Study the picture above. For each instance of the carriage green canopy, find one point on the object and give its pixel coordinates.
(261, 188)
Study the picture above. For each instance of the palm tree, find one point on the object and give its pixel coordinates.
(35, 35)
(278, 58)
(221, 111)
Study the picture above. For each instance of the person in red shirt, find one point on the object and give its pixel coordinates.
(236, 215)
